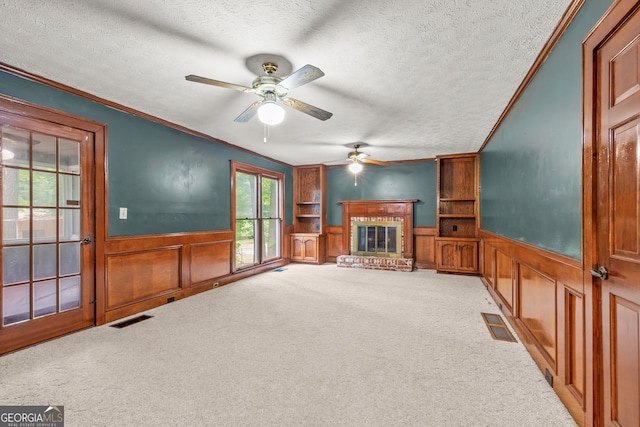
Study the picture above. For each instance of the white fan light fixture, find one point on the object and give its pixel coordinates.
(270, 113)
(355, 167)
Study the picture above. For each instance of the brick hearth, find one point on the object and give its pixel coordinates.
(375, 263)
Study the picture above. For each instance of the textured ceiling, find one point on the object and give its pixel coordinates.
(411, 79)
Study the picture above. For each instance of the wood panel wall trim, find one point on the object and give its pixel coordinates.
(119, 107)
(543, 296)
(150, 241)
(425, 231)
(424, 245)
(562, 26)
(500, 241)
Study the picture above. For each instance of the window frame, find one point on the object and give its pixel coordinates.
(259, 173)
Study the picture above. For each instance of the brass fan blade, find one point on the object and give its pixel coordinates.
(307, 108)
(248, 114)
(375, 162)
(207, 81)
(304, 75)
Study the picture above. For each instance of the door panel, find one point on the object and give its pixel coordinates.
(618, 221)
(47, 276)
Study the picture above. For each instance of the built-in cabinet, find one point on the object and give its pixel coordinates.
(309, 214)
(457, 215)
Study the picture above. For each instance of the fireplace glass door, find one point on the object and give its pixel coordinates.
(376, 239)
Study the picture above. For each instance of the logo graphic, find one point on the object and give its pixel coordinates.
(32, 416)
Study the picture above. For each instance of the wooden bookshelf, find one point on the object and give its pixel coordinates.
(457, 214)
(309, 214)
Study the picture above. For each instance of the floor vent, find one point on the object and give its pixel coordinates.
(131, 321)
(498, 329)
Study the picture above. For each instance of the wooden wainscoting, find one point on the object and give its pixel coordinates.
(424, 244)
(542, 295)
(142, 272)
(334, 242)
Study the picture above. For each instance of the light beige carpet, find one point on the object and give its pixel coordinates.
(309, 346)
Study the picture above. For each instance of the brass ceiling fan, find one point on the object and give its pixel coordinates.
(357, 158)
(274, 93)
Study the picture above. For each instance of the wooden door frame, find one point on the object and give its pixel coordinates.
(618, 13)
(99, 130)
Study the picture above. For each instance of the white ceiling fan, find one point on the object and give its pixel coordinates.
(274, 93)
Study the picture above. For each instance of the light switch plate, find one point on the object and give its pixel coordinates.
(123, 213)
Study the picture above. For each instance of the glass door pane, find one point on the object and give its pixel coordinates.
(270, 239)
(246, 253)
(270, 219)
(246, 219)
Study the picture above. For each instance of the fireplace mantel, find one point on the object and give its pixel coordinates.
(378, 208)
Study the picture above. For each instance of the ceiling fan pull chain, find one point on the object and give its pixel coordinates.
(266, 133)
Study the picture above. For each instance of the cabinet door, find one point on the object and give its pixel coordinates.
(468, 256)
(460, 256)
(297, 248)
(446, 255)
(311, 249)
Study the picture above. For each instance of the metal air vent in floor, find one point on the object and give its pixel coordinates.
(131, 321)
(497, 327)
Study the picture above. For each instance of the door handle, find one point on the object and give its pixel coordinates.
(86, 240)
(601, 272)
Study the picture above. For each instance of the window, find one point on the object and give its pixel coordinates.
(257, 215)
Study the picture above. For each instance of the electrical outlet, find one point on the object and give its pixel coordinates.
(123, 213)
(548, 377)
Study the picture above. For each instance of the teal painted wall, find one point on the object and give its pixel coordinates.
(415, 180)
(531, 169)
(170, 181)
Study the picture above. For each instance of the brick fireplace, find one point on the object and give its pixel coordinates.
(377, 226)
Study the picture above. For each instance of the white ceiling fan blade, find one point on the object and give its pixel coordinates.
(337, 162)
(303, 107)
(248, 114)
(205, 80)
(304, 75)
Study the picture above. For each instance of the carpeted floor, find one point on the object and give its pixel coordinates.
(308, 346)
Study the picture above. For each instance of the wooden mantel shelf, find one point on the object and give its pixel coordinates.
(379, 208)
(378, 201)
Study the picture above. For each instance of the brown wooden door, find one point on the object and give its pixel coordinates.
(48, 280)
(618, 221)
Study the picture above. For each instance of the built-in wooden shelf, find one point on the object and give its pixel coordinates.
(309, 212)
(457, 214)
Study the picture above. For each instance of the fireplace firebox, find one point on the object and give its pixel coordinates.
(377, 238)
